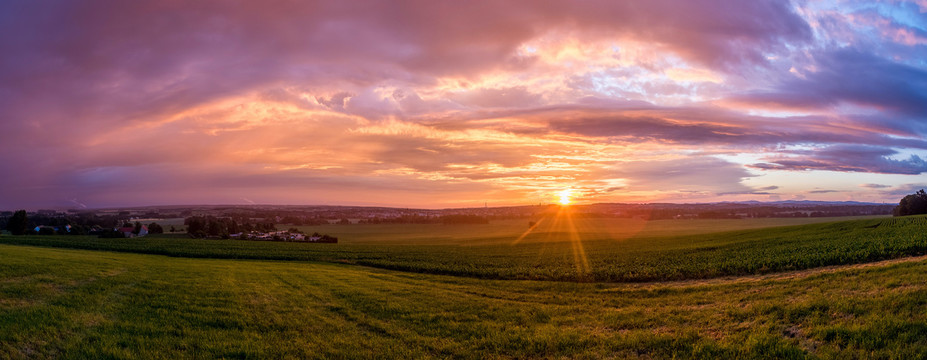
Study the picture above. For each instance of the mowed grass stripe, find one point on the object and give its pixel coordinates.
(83, 304)
(553, 256)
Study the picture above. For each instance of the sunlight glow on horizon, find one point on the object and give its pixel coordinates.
(565, 196)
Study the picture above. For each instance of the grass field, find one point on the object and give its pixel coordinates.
(77, 304)
(506, 231)
(568, 250)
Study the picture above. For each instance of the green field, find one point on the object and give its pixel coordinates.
(560, 253)
(61, 297)
(506, 231)
(76, 304)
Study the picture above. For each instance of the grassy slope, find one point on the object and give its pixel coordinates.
(563, 255)
(84, 304)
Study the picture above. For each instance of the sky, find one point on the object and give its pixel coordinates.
(459, 104)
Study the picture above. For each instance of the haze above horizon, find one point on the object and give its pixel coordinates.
(438, 105)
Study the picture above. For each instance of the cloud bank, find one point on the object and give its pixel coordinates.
(423, 103)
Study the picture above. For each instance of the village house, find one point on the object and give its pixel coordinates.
(129, 231)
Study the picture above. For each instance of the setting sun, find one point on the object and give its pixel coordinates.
(565, 196)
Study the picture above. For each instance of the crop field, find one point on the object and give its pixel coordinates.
(78, 304)
(566, 252)
(504, 231)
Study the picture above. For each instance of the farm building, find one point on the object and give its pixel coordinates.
(128, 231)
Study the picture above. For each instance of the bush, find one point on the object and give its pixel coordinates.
(155, 228)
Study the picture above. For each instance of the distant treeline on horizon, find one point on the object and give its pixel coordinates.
(83, 221)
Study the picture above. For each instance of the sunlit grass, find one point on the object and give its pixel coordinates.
(79, 304)
(504, 231)
(571, 254)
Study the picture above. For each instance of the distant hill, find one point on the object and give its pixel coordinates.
(800, 202)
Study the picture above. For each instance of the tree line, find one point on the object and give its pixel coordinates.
(20, 223)
(462, 219)
(914, 204)
(224, 228)
(211, 226)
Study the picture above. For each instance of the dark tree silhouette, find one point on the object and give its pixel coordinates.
(18, 223)
(155, 228)
(913, 204)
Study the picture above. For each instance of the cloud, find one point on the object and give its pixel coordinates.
(698, 174)
(875, 186)
(417, 100)
(518, 97)
(876, 83)
(846, 158)
(755, 191)
(897, 192)
(687, 125)
(153, 61)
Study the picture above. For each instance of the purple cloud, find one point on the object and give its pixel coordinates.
(875, 186)
(847, 158)
(848, 75)
(263, 99)
(823, 191)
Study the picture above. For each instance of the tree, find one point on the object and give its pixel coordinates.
(138, 228)
(18, 223)
(913, 204)
(214, 227)
(196, 226)
(155, 228)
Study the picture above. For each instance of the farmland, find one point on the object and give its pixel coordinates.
(565, 251)
(573, 288)
(505, 231)
(79, 304)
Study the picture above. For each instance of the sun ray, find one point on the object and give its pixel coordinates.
(580, 260)
(561, 227)
(529, 231)
(554, 227)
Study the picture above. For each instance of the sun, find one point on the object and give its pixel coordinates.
(565, 196)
